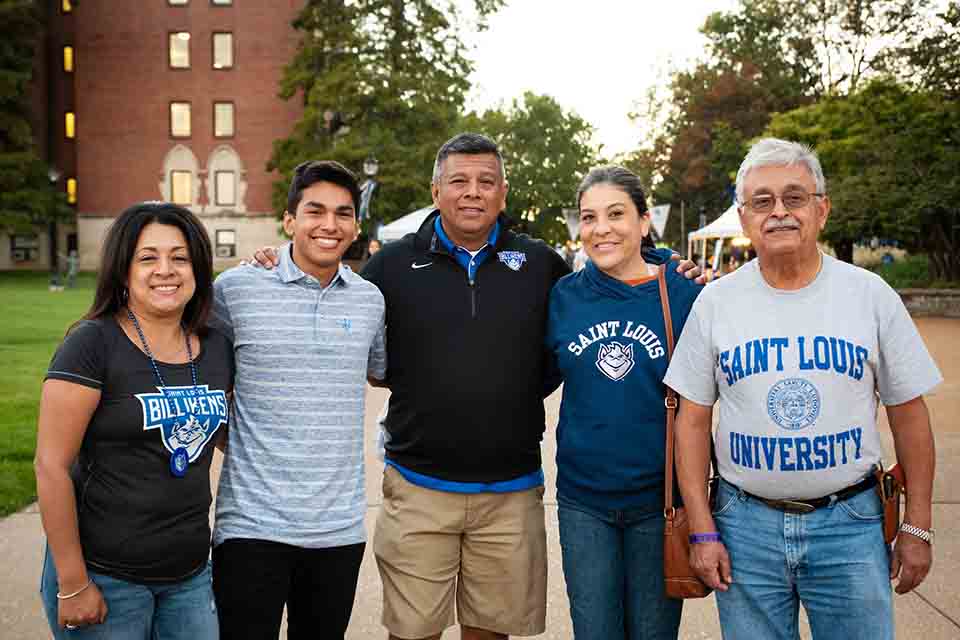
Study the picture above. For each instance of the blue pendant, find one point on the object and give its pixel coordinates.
(179, 462)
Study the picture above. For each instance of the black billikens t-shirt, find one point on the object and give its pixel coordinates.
(138, 522)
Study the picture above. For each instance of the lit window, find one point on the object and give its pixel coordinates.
(72, 190)
(226, 243)
(222, 50)
(180, 119)
(222, 3)
(182, 187)
(180, 50)
(70, 124)
(226, 188)
(223, 119)
(66, 6)
(178, 3)
(68, 59)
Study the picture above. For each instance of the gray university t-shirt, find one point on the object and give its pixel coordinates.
(293, 469)
(797, 375)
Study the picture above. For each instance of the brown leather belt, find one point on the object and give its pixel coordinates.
(807, 505)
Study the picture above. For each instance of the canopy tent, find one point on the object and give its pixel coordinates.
(402, 226)
(726, 226)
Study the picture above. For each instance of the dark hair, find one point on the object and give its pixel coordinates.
(470, 144)
(313, 171)
(118, 250)
(622, 179)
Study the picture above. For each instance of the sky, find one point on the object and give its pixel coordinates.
(595, 57)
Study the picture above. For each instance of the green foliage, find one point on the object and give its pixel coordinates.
(26, 196)
(35, 320)
(912, 271)
(377, 77)
(933, 61)
(547, 151)
(765, 57)
(891, 156)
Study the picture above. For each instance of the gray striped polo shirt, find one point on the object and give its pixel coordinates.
(293, 470)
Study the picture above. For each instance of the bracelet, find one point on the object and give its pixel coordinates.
(700, 538)
(61, 596)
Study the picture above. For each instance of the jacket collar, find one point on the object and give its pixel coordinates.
(426, 237)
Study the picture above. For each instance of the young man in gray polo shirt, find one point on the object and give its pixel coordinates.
(289, 523)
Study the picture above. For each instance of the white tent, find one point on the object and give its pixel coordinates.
(402, 226)
(726, 226)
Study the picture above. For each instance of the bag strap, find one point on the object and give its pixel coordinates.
(670, 401)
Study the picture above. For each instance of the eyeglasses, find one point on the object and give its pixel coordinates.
(792, 200)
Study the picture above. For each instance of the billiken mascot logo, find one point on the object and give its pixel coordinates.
(615, 360)
(199, 413)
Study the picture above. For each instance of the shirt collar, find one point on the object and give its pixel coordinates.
(290, 272)
(448, 243)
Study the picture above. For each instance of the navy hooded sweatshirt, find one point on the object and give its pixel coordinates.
(608, 339)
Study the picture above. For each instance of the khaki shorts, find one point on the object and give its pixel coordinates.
(486, 551)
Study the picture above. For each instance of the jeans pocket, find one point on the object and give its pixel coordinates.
(863, 507)
(726, 502)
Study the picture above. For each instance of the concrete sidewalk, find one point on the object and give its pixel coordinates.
(931, 612)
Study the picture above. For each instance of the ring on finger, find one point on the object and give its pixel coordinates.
(70, 627)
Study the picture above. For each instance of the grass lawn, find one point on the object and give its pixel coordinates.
(32, 323)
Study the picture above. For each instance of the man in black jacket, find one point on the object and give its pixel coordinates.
(462, 519)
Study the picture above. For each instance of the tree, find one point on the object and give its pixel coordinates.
(766, 57)
(933, 61)
(377, 77)
(890, 155)
(547, 151)
(26, 196)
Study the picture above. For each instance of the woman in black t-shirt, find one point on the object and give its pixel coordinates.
(132, 404)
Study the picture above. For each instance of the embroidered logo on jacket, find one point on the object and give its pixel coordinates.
(615, 360)
(199, 413)
(513, 259)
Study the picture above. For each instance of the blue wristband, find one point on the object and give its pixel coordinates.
(700, 538)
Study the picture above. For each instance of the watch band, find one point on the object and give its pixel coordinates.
(923, 534)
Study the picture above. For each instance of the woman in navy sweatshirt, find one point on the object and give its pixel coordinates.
(606, 332)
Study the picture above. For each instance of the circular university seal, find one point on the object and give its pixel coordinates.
(793, 403)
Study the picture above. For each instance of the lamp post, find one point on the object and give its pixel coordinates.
(370, 169)
(54, 176)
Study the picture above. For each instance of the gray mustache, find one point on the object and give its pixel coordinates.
(786, 221)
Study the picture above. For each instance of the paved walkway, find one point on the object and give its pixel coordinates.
(932, 612)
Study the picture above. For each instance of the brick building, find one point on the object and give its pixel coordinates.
(162, 100)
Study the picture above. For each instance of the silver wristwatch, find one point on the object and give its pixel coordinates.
(923, 534)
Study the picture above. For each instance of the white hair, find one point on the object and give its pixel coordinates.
(773, 152)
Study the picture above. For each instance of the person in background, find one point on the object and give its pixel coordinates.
(373, 246)
(607, 336)
(132, 402)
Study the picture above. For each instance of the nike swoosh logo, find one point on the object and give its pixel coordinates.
(414, 265)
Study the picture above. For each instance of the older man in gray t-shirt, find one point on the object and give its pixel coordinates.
(797, 346)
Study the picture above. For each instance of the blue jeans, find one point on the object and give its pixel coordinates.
(613, 566)
(833, 560)
(179, 611)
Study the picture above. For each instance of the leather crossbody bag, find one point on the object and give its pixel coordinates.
(679, 579)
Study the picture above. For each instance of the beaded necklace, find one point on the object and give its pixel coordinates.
(179, 459)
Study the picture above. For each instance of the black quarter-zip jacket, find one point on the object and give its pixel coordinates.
(466, 360)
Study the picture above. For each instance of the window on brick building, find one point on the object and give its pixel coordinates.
(71, 190)
(180, 119)
(70, 124)
(180, 50)
(68, 59)
(182, 192)
(226, 243)
(178, 3)
(221, 3)
(223, 119)
(66, 6)
(223, 51)
(226, 189)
